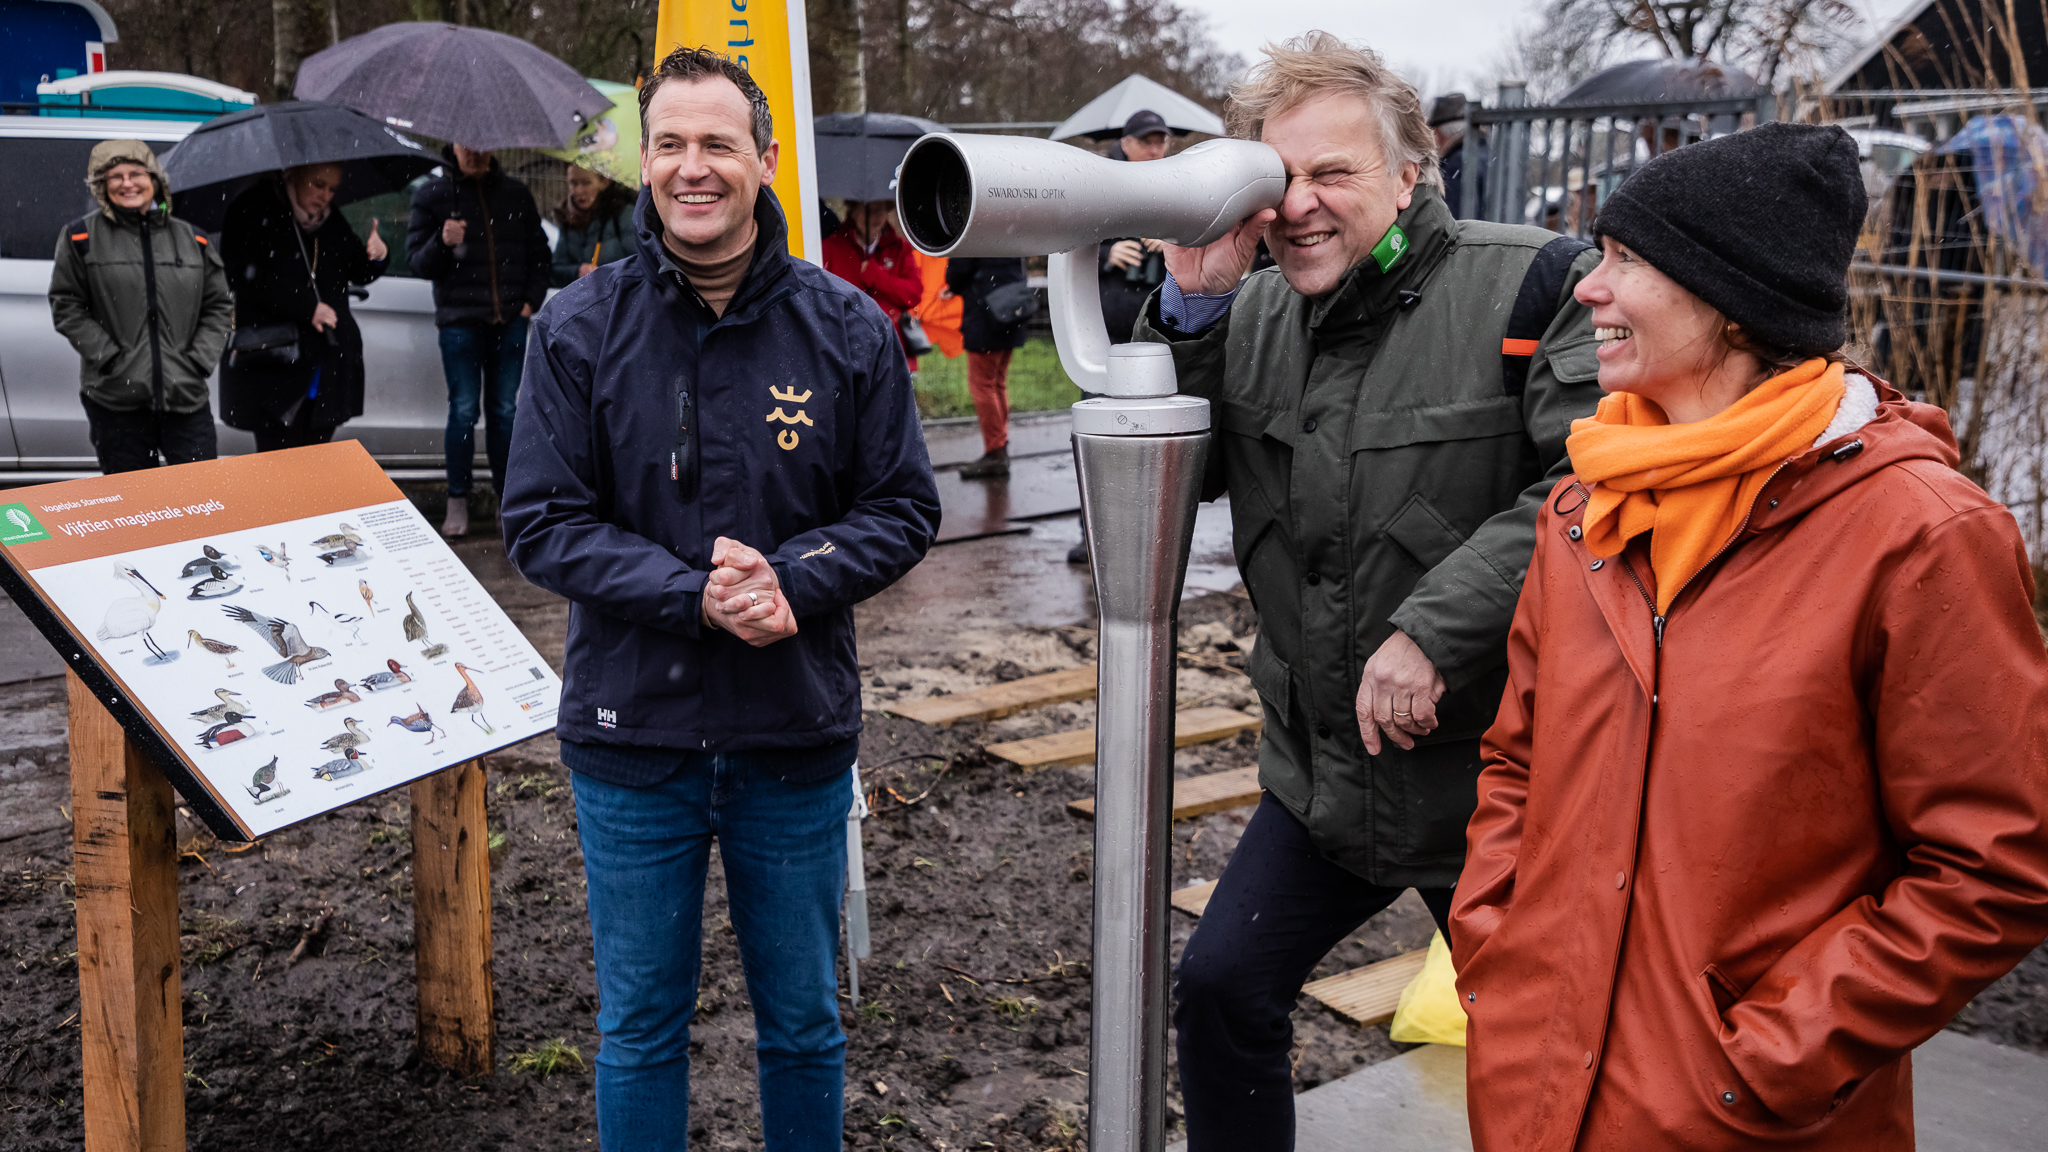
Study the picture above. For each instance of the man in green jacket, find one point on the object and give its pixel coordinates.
(1390, 407)
(144, 299)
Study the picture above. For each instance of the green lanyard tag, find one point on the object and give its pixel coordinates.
(1391, 248)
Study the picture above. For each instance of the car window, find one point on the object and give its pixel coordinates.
(42, 188)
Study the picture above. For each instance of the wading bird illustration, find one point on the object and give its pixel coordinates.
(351, 762)
(131, 614)
(342, 694)
(335, 541)
(284, 637)
(220, 648)
(355, 737)
(157, 655)
(470, 699)
(354, 624)
(228, 703)
(260, 782)
(379, 681)
(213, 558)
(275, 558)
(369, 597)
(215, 586)
(419, 722)
(415, 621)
(225, 732)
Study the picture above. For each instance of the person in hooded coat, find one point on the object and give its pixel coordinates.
(143, 383)
(1766, 802)
(292, 259)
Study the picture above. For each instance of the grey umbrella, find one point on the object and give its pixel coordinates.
(225, 155)
(858, 152)
(483, 89)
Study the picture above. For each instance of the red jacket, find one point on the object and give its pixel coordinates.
(889, 273)
(1729, 868)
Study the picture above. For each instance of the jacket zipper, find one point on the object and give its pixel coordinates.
(156, 351)
(490, 250)
(1656, 621)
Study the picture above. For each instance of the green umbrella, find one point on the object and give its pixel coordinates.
(609, 144)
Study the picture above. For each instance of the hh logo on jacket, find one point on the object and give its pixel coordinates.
(607, 718)
(787, 439)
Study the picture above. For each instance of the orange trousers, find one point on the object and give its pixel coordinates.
(988, 382)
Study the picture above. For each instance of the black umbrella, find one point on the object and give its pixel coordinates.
(858, 152)
(225, 155)
(479, 88)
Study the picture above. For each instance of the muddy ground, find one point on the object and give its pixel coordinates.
(972, 1032)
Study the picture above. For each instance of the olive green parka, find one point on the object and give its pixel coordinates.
(1383, 474)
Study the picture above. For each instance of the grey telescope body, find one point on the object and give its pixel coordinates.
(1140, 450)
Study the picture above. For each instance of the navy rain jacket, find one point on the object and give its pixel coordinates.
(810, 451)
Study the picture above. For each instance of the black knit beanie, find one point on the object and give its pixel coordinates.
(1759, 224)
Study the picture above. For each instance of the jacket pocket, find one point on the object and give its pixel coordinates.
(1459, 420)
(1575, 361)
(1724, 991)
(1424, 534)
(1272, 679)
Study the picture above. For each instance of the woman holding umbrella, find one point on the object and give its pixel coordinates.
(294, 371)
(596, 219)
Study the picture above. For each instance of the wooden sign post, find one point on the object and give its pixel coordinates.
(451, 902)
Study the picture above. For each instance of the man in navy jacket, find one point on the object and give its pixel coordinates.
(717, 455)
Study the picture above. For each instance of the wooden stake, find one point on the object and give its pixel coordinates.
(451, 901)
(124, 853)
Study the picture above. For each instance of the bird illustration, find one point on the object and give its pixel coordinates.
(343, 555)
(260, 782)
(285, 638)
(220, 648)
(276, 559)
(228, 703)
(415, 621)
(378, 681)
(419, 722)
(355, 737)
(335, 541)
(369, 597)
(131, 614)
(354, 624)
(470, 699)
(213, 737)
(351, 762)
(342, 694)
(215, 586)
(212, 559)
(157, 655)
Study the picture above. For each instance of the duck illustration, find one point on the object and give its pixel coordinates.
(228, 703)
(355, 737)
(275, 558)
(260, 782)
(215, 586)
(219, 734)
(351, 762)
(419, 722)
(212, 559)
(343, 555)
(220, 648)
(342, 694)
(131, 614)
(333, 542)
(284, 637)
(379, 681)
(354, 624)
(369, 597)
(470, 699)
(415, 621)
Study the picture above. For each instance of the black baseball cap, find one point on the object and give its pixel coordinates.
(1143, 123)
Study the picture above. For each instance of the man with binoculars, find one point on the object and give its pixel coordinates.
(1391, 405)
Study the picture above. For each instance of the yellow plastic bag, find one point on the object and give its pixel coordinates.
(1430, 1012)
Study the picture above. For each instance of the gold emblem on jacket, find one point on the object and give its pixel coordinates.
(787, 439)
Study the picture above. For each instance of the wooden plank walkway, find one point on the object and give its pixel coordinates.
(999, 700)
(1370, 994)
(1198, 795)
(1194, 899)
(1193, 726)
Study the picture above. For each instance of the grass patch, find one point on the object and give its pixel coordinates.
(1037, 382)
(1014, 1007)
(550, 1057)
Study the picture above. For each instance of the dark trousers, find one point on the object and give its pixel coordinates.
(1278, 909)
(296, 432)
(128, 441)
(482, 363)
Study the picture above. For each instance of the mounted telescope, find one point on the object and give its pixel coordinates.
(1140, 449)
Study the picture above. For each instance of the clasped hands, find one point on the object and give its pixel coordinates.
(743, 596)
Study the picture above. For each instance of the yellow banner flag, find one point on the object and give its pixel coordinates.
(768, 39)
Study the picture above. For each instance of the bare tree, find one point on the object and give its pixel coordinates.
(1767, 38)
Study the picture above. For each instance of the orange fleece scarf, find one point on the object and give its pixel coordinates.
(1691, 485)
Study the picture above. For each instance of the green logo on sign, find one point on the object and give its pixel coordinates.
(19, 526)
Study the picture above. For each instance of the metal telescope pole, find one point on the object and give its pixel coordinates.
(1140, 450)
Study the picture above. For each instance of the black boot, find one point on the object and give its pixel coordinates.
(990, 466)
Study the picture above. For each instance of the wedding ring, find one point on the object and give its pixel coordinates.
(753, 598)
(1404, 713)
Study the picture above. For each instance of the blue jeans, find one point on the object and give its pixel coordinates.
(482, 363)
(645, 851)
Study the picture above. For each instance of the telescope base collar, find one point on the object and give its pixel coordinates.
(1147, 416)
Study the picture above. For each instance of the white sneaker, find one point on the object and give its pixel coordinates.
(457, 523)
